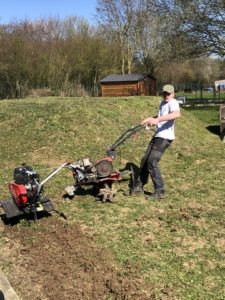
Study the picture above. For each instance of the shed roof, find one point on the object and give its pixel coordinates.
(124, 78)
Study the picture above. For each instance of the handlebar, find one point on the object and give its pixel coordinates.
(111, 151)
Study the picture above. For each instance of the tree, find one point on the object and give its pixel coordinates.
(68, 57)
(192, 73)
(198, 23)
(121, 20)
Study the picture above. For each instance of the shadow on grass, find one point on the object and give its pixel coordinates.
(29, 217)
(215, 129)
(133, 167)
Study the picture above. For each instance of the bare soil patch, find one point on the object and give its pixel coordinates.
(57, 260)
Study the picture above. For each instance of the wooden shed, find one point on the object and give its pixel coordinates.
(128, 85)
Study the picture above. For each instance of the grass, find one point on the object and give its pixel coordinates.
(177, 245)
(205, 95)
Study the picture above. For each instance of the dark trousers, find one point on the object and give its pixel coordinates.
(150, 163)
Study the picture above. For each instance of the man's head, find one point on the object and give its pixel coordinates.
(168, 92)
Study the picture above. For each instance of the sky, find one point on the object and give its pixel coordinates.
(18, 10)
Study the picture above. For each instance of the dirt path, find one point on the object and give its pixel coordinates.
(56, 260)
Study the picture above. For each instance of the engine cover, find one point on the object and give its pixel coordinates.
(24, 174)
(19, 193)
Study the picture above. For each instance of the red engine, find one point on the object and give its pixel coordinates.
(25, 185)
(27, 193)
(19, 193)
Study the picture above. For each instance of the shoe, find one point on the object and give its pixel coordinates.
(156, 195)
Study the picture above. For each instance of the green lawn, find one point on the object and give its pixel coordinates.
(176, 244)
(204, 95)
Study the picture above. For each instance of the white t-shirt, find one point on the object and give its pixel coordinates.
(165, 129)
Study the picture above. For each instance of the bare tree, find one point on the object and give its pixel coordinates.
(66, 56)
(121, 20)
(198, 26)
(204, 21)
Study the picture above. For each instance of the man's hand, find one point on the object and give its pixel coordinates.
(155, 120)
(150, 121)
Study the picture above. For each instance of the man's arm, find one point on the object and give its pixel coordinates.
(155, 120)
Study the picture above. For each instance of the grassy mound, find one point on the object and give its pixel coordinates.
(177, 244)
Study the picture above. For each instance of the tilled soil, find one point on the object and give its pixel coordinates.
(57, 260)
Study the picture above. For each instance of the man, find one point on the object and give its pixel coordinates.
(169, 110)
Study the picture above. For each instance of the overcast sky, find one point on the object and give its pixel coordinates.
(17, 10)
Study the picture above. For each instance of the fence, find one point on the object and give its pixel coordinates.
(202, 96)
